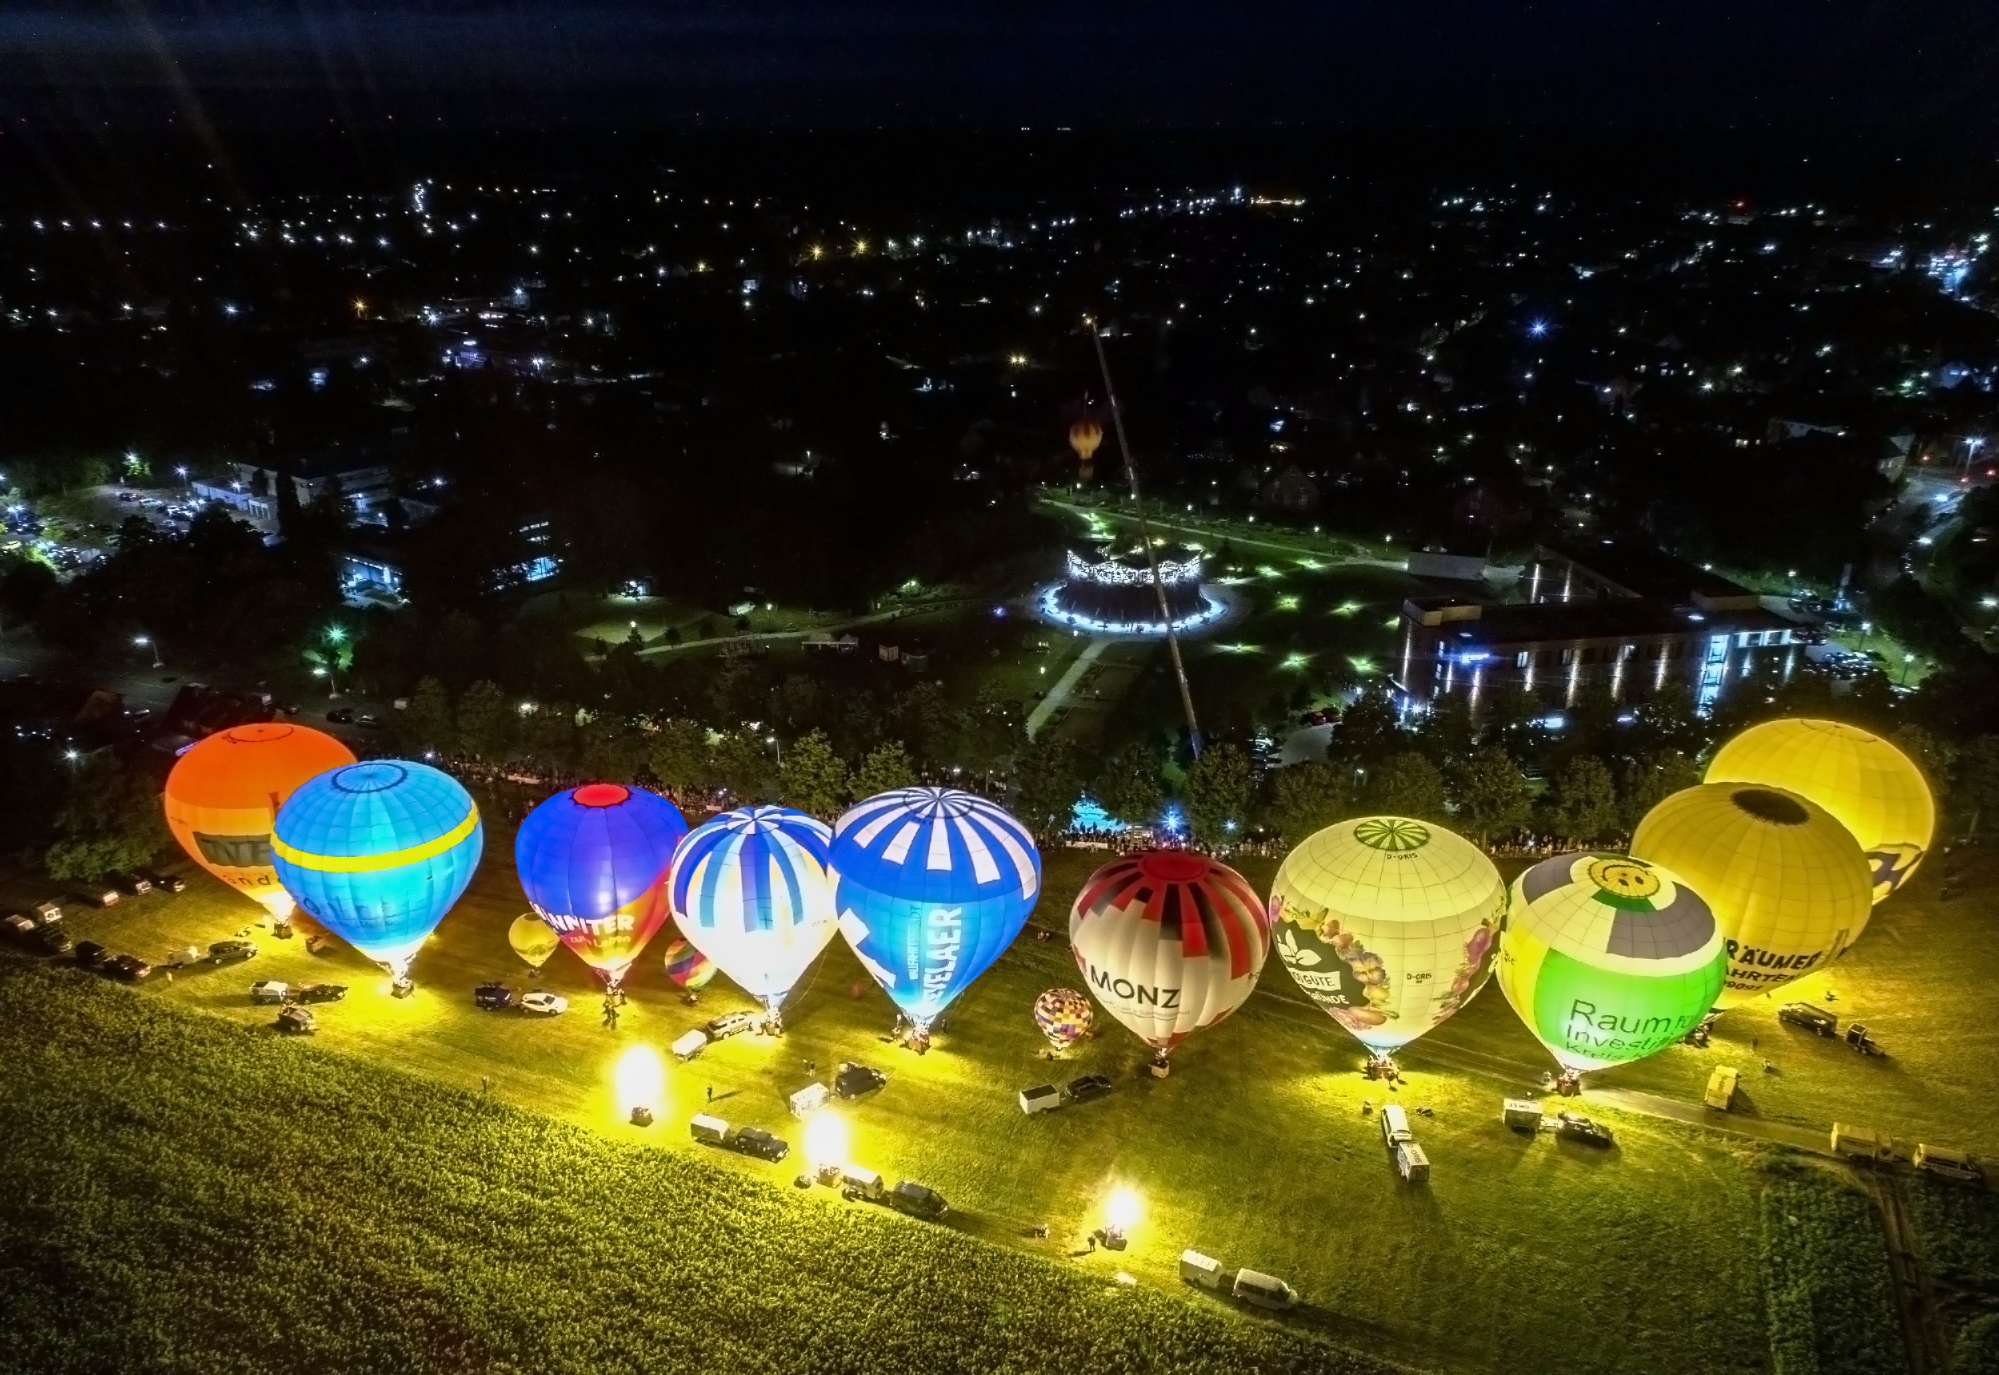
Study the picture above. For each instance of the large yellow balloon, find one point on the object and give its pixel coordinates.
(533, 939)
(1873, 789)
(1787, 883)
(1388, 924)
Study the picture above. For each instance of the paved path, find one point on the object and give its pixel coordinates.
(835, 629)
(1295, 549)
(1059, 694)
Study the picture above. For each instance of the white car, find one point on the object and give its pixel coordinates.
(269, 991)
(546, 1004)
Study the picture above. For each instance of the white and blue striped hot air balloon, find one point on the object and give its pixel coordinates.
(931, 884)
(751, 891)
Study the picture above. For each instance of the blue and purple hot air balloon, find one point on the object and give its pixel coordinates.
(593, 862)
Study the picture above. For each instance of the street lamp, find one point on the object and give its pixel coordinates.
(147, 642)
(1907, 659)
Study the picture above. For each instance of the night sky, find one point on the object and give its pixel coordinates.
(1569, 63)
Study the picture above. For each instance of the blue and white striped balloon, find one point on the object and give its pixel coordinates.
(751, 891)
(931, 884)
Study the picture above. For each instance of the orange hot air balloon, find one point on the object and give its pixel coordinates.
(223, 796)
(1084, 437)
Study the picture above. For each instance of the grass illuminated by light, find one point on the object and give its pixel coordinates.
(1287, 603)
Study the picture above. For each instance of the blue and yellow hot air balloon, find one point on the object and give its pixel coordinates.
(593, 861)
(931, 885)
(377, 853)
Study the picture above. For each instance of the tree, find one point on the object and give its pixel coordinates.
(110, 819)
(1220, 787)
(22, 589)
(612, 751)
(1446, 734)
(1129, 785)
(1650, 780)
(798, 702)
(743, 765)
(1492, 794)
(735, 693)
(1409, 785)
(429, 720)
(812, 778)
(1978, 779)
(1930, 754)
(1367, 731)
(1309, 797)
(1585, 800)
(1046, 783)
(548, 734)
(886, 768)
(486, 721)
(678, 754)
(922, 716)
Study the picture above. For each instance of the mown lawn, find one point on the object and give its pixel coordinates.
(1256, 1150)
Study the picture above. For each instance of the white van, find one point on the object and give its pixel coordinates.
(690, 1045)
(1205, 1271)
(1411, 1163)
(1395, 1125)
(712, 1130)
(1948, 1164)
(1265, 1291)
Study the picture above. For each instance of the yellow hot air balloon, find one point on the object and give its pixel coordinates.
(1787, 883)
(533, 939)
(1084, 437)
(1874, 790)
(223, 795)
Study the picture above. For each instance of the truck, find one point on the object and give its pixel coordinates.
(1721, 1087)
(1265, 1291)
(1948, 1164)
(1205, 1271)
(1411, 1163)
(1395, 1126)
(1040, 1098)
(1522, 1114)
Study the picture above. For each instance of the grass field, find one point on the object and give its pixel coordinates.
(1256, 1150)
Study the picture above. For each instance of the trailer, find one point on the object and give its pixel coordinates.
(1411, 1163)
(1721, 1087)
(1522, 1114)
(1205, 1271)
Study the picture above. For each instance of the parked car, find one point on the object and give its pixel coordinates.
(297, 1021)
(166, 883)
(1810, 1016)
(731, 1024)
(370, 721)
(320, 993)
(130, 968)
(341, 716)
(225, 951)
(51, 940)
(545, 1004)
(759, 1143)
(1948, 1164)
(287, 708)
(133, 885)
(98, 895)
(1088, 1086)
(493, 997)
(18, 927)
(918, 1200)
(1577, 1127)
(91, 955)
(854, 1080)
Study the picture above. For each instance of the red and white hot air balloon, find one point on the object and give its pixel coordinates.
(1169, 942)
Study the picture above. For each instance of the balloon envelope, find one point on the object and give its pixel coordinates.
(1608, 958)
(1869, 787)
(223, 795)
(931, 885)
(1084, 437)
(532, 939)
(593, 861)
(751, 892)
(1388, 924)
(688, 967)
(378, 852)
(1170, 942)
(1063, 1016)
(1787, 882)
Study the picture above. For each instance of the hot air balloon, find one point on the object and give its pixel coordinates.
(750, 891)
(688, 967)
(377, 853)
(1084, 437)
(932, 884)
(1787, 882)
(1388, 924)
(223, 797)
(593, 862)
(1063, 1016)
(533, 940)
(1170, 942)
(1607, 959)
(1869, 786)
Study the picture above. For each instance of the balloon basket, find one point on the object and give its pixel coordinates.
(281, 929)
(1158, 1069)
(642, 1116)
(1569, 1084)
(1381, 1067)
(402, 987)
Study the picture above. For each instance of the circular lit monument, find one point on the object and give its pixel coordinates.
(1110, 591)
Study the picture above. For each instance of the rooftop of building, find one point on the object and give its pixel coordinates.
(1596, 618)
(1644, 570)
